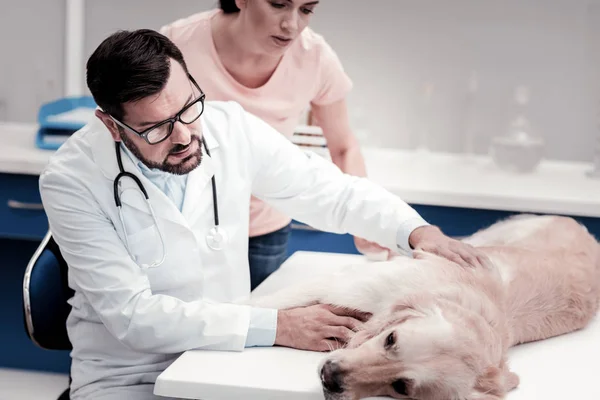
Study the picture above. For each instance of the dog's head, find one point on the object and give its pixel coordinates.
(423, 349)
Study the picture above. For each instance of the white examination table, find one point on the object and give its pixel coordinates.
(561, 368)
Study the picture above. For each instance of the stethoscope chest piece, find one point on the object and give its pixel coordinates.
(216, 238)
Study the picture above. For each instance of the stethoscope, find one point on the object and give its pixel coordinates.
(216, 237)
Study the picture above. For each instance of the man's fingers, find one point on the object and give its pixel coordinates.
(329, 345)
(348, 312)
(461, 253)
(475, 257)
(341, 333)
(485, 261)
(469, 258)
(447, 253)
(348, 322)
(455, 257)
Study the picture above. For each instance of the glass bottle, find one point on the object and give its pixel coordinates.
(521, 149)
(595, 171)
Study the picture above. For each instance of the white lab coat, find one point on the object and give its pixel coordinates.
(127, 323)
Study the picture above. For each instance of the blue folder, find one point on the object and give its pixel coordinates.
(61, 118)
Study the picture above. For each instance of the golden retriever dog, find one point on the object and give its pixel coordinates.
(439, 331)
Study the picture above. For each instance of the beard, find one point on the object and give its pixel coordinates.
(183, 167)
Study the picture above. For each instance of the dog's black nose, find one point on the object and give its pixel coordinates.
(331, 377)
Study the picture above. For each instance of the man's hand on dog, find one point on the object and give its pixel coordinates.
(431, 239)
(317, 328)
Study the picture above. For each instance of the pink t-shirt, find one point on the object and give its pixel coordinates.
(309, 73)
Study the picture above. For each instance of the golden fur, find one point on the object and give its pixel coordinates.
(442, 332)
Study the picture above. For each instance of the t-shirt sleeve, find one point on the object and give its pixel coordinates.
(167, 31)
(334, 84)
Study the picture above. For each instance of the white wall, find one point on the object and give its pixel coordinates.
(31, 56)
(390, 48)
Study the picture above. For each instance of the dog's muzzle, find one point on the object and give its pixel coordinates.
(331, 377)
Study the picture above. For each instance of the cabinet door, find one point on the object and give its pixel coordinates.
(309, 239)
(454, 221)
(21, 212)
(458, 221)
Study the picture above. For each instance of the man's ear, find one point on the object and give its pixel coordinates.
(111, 125)
(494, 383)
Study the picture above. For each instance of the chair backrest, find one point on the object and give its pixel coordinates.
(45, 295)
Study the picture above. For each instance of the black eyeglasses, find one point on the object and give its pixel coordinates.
(162, 130)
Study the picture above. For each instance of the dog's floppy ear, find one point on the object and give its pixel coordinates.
(494, 383)
(413, 303)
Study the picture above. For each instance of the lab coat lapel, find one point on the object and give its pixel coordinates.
(199, 180)
(131, 195)
(104, 155)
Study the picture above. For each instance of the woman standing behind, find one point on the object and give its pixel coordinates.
(261, 54)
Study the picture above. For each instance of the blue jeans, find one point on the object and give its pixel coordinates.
(266, 253)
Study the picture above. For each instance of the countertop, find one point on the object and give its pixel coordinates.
(440, 179)
(18, 153)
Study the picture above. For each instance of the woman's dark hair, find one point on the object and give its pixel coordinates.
(228, 6)
(129, 66)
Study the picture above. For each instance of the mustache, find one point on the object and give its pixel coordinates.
(181, 147)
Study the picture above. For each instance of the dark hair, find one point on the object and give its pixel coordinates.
(228, 6)
(129, 66)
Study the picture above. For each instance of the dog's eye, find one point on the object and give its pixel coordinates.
(390, 340)
(401, 387)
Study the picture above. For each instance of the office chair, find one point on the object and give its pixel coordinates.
(45, 295)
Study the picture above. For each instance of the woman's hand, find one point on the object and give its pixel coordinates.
(372, 250)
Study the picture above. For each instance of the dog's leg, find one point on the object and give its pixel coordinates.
(358, 287)
(301, 295)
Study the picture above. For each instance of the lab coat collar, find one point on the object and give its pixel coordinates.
(103, 148)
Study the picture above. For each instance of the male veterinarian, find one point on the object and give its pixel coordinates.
(149, 206)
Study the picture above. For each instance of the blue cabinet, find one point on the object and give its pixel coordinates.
(23, 224)
(457, 221)
(307, 239)
(454, 221)
(21, 213)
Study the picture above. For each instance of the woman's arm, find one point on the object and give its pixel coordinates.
(343, 145)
